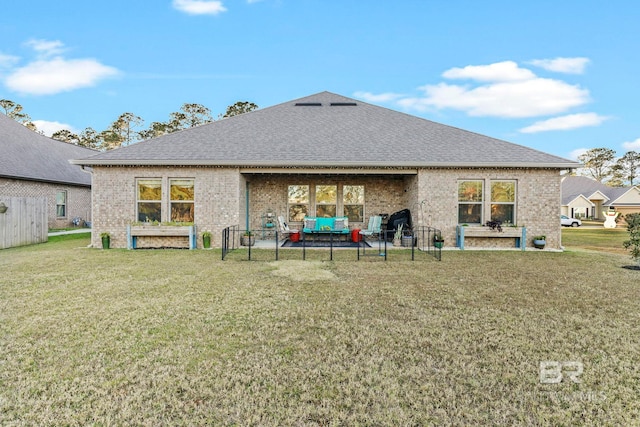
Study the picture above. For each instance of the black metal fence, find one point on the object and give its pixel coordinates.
(229, 235)
(417, 242)
(426, 241)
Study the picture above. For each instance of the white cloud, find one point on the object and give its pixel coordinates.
(577, 153)
(49, 128)
(506, 71)
(8, 61)
(46, 48)
(528, 98)
(571, 121)
(47, 77)
(632, 146)
(502, 89)
(381, 97)
(562, 65)
(199, 7)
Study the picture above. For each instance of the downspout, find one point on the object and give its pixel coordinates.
(246, 205)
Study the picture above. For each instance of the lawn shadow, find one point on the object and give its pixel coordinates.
(632, 267)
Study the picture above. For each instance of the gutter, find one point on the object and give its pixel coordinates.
(329, 164)
(46, 181)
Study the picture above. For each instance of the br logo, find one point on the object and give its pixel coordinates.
(552, 372)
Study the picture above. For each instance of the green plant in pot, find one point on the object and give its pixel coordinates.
(438, 240)
(247, 239)
(539, 242)
(206, 239)
(106, 240)
(397, 236)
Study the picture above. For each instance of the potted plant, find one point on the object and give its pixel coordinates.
(106, 240)
(438, 240)
(539, 242)
(206, 239)
(247, 239)
(494, 225)
(397, 237)
(407, 239)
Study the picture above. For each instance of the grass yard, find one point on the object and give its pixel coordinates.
(176, 337)
(598, 239)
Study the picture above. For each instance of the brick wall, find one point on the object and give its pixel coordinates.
(78, 198)
(431, 195)
(537, 202)
(217, 201)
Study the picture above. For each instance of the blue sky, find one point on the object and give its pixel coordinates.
(558, 76)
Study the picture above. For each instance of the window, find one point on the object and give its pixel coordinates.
(149, 200)
(61, 204)
(326, 200)
(353, 202)
(298, 201)
(503, 201)
(470, 202)
(181, 199)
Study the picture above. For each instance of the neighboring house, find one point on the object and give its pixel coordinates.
(584, 197)
(326, 154)
(33, 165)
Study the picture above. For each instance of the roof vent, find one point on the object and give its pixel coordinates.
(343, 104)
(308, 104)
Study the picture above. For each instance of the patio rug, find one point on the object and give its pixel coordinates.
(322, 244)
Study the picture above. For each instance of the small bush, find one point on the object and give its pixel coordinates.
(633, 227)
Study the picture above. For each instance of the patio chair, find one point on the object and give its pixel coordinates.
(284, 228)
(374, 228)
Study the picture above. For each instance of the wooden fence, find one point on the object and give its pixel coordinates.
(24, 222)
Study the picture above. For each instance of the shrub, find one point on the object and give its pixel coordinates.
(633, 227)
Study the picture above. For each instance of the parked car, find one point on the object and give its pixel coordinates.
(569, 222)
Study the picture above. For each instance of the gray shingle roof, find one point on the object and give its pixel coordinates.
(31, 156)
(573, 186)
(327, 130)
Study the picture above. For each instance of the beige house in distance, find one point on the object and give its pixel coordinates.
(326, 155)
(584, 197)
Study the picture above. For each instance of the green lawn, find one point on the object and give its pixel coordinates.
(177, 337)
(599, 239)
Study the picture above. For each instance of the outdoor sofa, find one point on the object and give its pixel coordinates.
(319, 225)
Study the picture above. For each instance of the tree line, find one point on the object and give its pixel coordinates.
(127, 128)
(602, 165)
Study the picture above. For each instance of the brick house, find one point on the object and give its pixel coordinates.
(33, 165)
(326, 154)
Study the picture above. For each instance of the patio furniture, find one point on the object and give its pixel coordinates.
(285, 230)
(327, 226)
(374, 228)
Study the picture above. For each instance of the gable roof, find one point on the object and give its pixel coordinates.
(619, 195)
(30, 156)
(573, 186)
(574, 200)
(327, 130)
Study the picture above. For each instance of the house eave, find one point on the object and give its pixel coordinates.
(324, 164)
(45, 181)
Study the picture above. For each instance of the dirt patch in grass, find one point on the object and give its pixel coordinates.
(302, 271)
